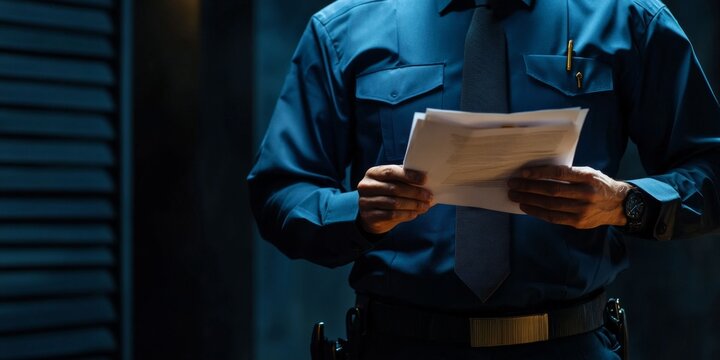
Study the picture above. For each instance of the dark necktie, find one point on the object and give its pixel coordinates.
(482, 237)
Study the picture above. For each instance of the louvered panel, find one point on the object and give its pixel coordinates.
(54, 42)
(55, 152)
(59, 179)
(55, 180)
(38, 258)
(45, 68)
(82, 234)
(32, 208)
(39, 14)
(56, 96)
(39, 315)
(45, 345)
(97, 3)
(45, 283)
(46, 123)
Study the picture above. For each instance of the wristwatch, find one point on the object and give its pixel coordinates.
(635, 208)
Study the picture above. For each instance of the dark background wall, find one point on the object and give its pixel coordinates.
(193, 128)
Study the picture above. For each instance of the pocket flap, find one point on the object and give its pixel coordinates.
(550, 69)
(396, 85)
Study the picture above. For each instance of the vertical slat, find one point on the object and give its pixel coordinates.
(55, 124)
(60, 343)
(126, 176)
(56, 96)
(56, 234)
(79, 180)
(35, 258)
(15, 38)
(43, 68)
(53, 152)
(52, 208)
(96, 3)
(47, 314)
(63, 17)
(25, 283)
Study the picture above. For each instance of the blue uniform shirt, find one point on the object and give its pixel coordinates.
(363, 67)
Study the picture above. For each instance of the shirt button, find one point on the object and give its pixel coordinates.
(394, 94)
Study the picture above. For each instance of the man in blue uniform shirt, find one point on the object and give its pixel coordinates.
(327, 185)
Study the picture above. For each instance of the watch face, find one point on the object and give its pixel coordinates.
(634, 206)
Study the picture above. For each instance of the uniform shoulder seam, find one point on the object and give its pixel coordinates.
(327, 33)
(339, 8)
(653, 7)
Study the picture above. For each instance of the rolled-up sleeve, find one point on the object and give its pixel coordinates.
(676, 125)
(296, 185)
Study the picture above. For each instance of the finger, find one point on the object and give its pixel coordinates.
(396, 173)
(393, 203)
(554, 217)
(576, 191)
(370, 187)
(549, 203)
(557, 172)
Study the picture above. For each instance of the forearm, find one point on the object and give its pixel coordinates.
(309, 222)
(686, 199)
(678, 138)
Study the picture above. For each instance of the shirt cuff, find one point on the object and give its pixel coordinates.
(664, 204)
(344, 208)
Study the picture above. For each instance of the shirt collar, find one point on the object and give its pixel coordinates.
(443, 4)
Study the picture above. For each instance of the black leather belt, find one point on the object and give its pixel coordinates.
(485, 331)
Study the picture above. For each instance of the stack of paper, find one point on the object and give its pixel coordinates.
(468, 157)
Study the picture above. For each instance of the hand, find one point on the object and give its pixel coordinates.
(390, 195)
(581, 197)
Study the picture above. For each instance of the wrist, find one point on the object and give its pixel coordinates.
(368, 234)
(619, 216)
(635, 209)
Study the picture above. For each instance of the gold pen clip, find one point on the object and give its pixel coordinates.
(579, 77)
(569, 55)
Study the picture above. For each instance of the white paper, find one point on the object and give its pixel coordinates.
(468, 157)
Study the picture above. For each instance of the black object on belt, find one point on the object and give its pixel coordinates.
(485, 331)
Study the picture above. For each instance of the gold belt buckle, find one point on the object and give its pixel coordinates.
(486, 332)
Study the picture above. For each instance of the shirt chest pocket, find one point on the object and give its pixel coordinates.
(590, 85)
(587, 76)
(390, 98)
